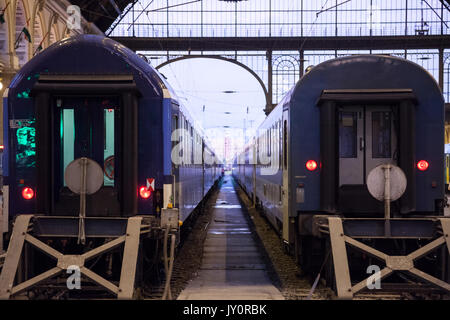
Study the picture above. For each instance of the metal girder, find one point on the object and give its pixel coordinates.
(393, 263)
(430, 279)
(13, 255)
(365, 248)
(43, 247)
(105, 247)
(419, 253)
(446, 230)
(284, 43)
(130, 257)
(20, 235)
(100, 280)
(446, 4)
(340, 260)
(363, 284)
(35, 280)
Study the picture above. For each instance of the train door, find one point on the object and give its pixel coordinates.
(87, 127)
(367, 138)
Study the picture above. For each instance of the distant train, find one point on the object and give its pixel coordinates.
(89, 97)
(308, 165)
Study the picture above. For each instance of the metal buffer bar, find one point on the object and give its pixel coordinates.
(20, 235)
(405, 264)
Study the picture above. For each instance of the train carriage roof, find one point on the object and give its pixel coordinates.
(361, 72)
(91, 55)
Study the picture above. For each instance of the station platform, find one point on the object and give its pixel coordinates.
(232, 265)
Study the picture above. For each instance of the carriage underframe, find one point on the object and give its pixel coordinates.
(34, 230)
(348, 231)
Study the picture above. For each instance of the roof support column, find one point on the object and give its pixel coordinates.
(269, 97)
(441, 69)
(302, 63)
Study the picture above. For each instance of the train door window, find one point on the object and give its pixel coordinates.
(87, 127)
(366, 139)
(348, 134)
(83, 136)
(108, 141)
(67, 137)
(351, 145)
(381, 134)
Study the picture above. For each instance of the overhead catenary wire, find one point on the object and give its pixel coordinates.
(173, 6)
(159, 42)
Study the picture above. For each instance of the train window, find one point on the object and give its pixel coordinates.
(108, 153)
(348, 134)
(285, 144)
(280, 141)
(381, 134)
(192, 145)
(174, 128)
(68, 137)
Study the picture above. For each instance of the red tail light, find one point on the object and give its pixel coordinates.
(144, 192)
(311, 165)
(422, 165)
(27, 193)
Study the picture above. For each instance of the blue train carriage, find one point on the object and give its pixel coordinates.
(262, 164)
(88, 96)
(197, 168)
(344, 118)
(244, 169)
